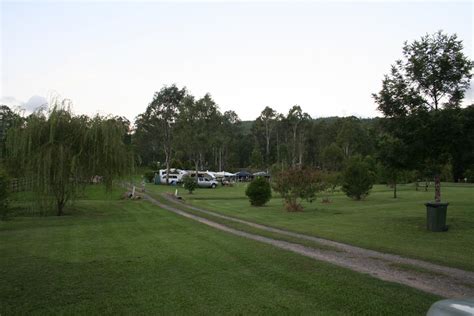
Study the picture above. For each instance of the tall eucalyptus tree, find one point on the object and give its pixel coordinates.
(296, 118)
(161, 116)
(265, 124)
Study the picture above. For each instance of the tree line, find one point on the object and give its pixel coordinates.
(424, 133)
(194, 134)
(181, 131)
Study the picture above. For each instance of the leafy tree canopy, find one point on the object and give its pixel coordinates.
(433, 73)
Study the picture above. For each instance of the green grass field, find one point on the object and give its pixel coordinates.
(108, 256)
(379, 222)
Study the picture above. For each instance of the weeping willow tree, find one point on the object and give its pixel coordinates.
(60, 152)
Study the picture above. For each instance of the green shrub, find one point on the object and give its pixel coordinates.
(189, 184)
(469, 174)
(357, 178)
(4, 192)
(259, 191)
(296, 184)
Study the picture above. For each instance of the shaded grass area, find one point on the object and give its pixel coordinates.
(129, 257)
(249, 229)
(379, 222)
(26, 204)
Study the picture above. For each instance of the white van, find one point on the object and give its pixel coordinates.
(175, 176)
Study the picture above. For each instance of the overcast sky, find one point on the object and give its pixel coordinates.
(111, 57)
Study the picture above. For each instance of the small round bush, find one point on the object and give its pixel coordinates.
(357, 178)
(189, 184)
(259, 191)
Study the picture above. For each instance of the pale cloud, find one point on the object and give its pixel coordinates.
(11, 102)
(35, 102)
(29, 106)
(469, 97)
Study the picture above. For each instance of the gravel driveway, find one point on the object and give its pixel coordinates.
(422, 275)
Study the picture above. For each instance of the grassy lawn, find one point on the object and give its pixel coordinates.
(379, 222)
(129, 257)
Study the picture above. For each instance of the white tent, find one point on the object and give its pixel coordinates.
(223, 174)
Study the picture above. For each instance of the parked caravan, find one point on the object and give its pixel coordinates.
(175, 176)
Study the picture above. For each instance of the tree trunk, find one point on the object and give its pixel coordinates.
(196, 166)
(278, 147)
(267, 151)
(346, 150)
(294, 146)
(167, 167)
(300, 150)
(167, 145)
(394, 188)
(215, 152)
(437, 189)
(292, 205)
(60, 207)
(220, 159)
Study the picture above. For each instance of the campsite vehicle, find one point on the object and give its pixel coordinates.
(202, 174)
(173, 179)
(205, 179)
(175, 176)
(205, 182)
